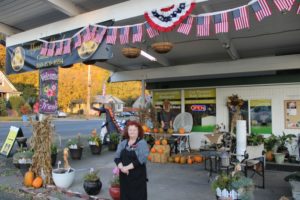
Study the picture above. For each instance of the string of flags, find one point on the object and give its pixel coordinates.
(165, 20)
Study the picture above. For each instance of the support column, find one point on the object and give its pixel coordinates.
(88, 100)
(143, 93)
(182, 101)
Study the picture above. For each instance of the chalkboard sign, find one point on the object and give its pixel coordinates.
(13, 133)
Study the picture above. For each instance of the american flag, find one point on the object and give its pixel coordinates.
(67, 46)
(124, 35)
(298, 11)
(185, 26)
(111, 36)
(284, 5)
(44, 49)
(93, 32)
(59, 48)
(137, 33)
(100, 34)
(203, 25)
(221, 23)
(241, 18)
(151, 32)
(86, 34)
(77, 41)
(51, 48)
(261, 9)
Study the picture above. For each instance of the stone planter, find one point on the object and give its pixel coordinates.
(76, 153)
(62, 178)
(279, 158)
(96, 150)
(92, 187)
(115, 193)
(295, 189)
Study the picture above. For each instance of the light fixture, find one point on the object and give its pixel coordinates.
(146, 55)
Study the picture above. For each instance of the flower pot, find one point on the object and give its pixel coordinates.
(279, 158)
(76, 153)
(295, 189)
(62, 178)
(96, 149)
(162, 47)
(115, 193)
(131, 52)
(112, 146)
(92, 187)
(53, 159)
(269, 156)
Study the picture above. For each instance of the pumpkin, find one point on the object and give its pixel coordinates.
(153, 150)
(198, 159)
(170, 131)
(157, 142)
(171, 159)
(181, 130)
(164, 142)
(28, 178)
(177, 159)
(148, 130)
(37, 182)
(160, 151)
(155, 130)
(161, 130)
(182, 160)
(145, 128)
(190, 160)
(149, 157)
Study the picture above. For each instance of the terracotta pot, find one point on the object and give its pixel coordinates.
(269, 156)
(162, 47)
(115, 193)
(131, 52)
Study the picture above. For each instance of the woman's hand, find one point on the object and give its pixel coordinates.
(125, 170)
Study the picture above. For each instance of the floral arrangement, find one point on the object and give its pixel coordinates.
(75, 143)
(94, 139)
(116, 177)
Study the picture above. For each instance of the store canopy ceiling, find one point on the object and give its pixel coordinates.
(274, 36)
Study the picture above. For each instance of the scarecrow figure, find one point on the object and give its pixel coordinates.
(234, 104)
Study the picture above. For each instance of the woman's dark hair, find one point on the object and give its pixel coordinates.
(136, 124)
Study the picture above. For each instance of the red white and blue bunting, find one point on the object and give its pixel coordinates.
(166, 19)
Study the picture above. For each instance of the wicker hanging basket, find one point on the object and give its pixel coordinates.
(131, 52)
(162, 47)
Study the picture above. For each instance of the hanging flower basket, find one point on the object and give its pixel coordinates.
(131, 52)
(162, 47)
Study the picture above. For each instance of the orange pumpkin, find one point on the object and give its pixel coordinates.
(181, 130)
(157, 142)
(182, 160)
(149, 157)
(155, 130)
(153, 150)
(160, 151)
(37, 182)
(190, 161)
(177, 159)
(164, 142)
(28, 178)
(198, 159)
(145, 128)
(148, 130)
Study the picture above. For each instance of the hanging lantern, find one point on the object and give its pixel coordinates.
(162, 47)
(131, 52)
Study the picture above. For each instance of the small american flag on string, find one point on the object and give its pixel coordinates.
(284, 5)
(240, 18)
(298, 11)
(67, 46)
(44, 49)
(59, 48)
(203, 25)
(100, 34)
(86, 33)
(111, 36)
(261, 9)
(137, 33)
(77, 40)
(51, 48)
(185, 26)
(221, 23)
(151, 32)
(124, 35)
(93, 32)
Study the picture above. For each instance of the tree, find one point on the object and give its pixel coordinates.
(3, 111)
(29, 92)
(2, 57)
(16, 102)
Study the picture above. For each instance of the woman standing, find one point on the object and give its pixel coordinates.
(131, 157)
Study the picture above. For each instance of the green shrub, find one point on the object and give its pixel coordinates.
(16, 102)
(3, 111)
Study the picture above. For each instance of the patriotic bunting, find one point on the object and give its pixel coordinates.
(186, 26)
(137, 33)
(203, 25)
(124, 35)
(164, 20)
(111, 36)
(240, 18)
(261, 9)
(221, 23)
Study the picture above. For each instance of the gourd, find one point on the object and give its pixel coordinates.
(164, 142)
(28, 178)
(37, 182)
(181, 130)
(190, 160)
(198, 158)
(149, 157)
(153, 150)
(155, 130)
(157, 142)
(183, 160)
(177, 159)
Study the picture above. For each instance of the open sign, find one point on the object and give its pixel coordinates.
(198, 108)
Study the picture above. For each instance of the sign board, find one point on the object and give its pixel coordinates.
(13, 133)
(198, 108)
(292, 114)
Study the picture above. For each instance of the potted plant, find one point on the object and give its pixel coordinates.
(294, 180)
(92, 184)
(282, 150)
(114, 189)
(23, 160)
(75, 148)
(233, 186)
(95, 143)
(270, 143)
(255, 145)
(113, 141)
(53, 154)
